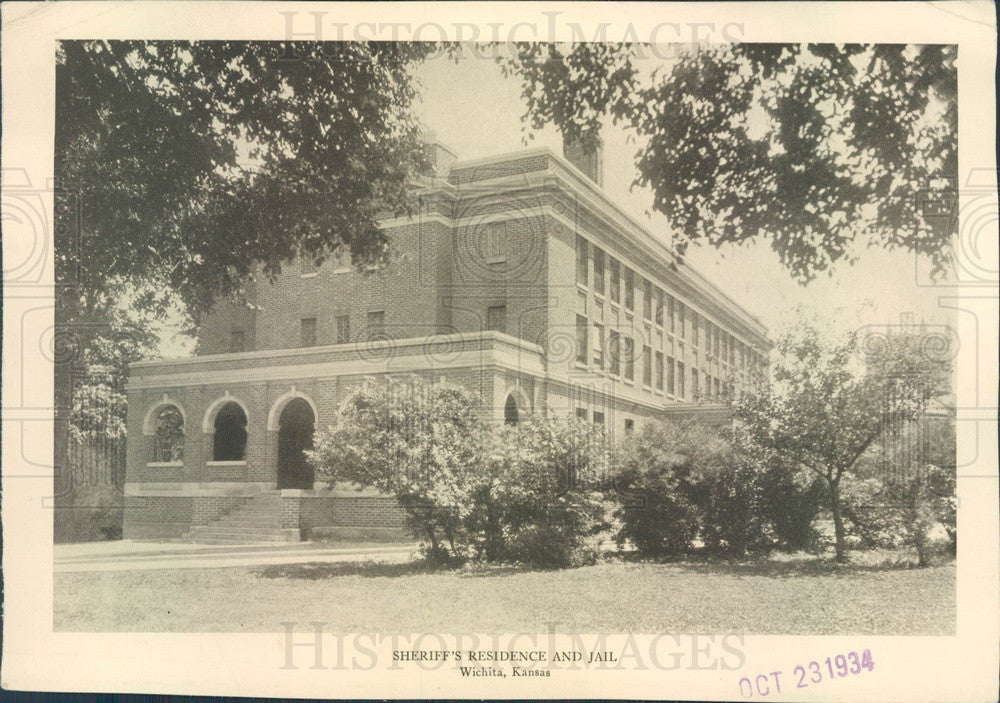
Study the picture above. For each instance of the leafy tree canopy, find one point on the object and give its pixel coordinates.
(185, 165)
(807, 146)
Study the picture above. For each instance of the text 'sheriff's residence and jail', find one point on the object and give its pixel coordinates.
(518, 279)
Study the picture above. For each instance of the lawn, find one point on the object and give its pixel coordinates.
(794, 597)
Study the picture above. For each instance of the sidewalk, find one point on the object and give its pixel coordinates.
(126, 555)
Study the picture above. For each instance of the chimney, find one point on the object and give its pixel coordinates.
(587, 154)
(440, 157)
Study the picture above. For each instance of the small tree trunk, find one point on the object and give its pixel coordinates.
(838, 522)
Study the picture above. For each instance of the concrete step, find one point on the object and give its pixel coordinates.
(265, 519)
(213, 530)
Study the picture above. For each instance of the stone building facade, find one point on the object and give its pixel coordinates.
(518, 279)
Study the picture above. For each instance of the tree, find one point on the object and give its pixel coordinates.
(185, 168)
(830, 403)
(808, 146)
(416, 441)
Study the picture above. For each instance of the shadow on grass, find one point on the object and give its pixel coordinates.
(314, 571)
(790, 568)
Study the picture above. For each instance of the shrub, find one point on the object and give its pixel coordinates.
(729, 494)
(92, 514)
(541, 505)
(655, 486)
(791, 500)
(418, 441)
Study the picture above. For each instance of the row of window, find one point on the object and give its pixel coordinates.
(308, 331)
(228, 442)
(659, 371)
(617, 281)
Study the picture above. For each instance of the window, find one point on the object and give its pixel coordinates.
(629, 352)
(694, 383)
(717, 387)
(510, 412)
(168, 442)
(680, 319)
(647, 299)
(598, 271)
(598, 345)
(614, 352)
(658, 371)
(670, 375)
(343, 323)
(376, 323)
(647, 366)
(671, 312)
(659, 307)
(496, 318)
(307, 334)
(581, 339)
(598, 418)
(616, 282)
(629, 288)
(681, 380)
(581, 260)
(230, 439)
(581, 413)
(708, 385)
(695, 329)
(238, 341)
(629, 425)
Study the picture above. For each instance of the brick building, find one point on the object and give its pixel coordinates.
(518, 278)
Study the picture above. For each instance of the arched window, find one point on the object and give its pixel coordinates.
(230, 439)
(510, 413)
(168, 436)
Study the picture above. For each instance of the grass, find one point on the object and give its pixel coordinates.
(792, 596)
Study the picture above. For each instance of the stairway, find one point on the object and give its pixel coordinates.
(257, 520)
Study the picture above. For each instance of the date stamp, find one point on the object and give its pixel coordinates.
(806, 675)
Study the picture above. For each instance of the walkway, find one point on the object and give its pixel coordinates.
(126, 555)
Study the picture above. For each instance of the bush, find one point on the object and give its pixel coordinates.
(655, 486)
(90, 514)
(730, 495)
(417, 441)
(791, 500)
(541, 506)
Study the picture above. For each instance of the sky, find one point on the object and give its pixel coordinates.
(475, 111)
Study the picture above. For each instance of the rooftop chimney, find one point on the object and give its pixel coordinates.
(587, 154)
(440, 157)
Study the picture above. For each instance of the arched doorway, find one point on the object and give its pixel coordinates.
(510, 412)
(230, 440)
(295, 435)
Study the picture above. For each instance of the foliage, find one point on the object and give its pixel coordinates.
(656, 484)
(732, 496)
(90, 514)
(807, 146)
(417, 441)
(831, 402)
(542, 506)
(904, 489)
(183, 159)
(791, 500)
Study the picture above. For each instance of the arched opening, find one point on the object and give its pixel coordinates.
(510, 412)
(295, 436)
(230, 440)
(168, 435)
